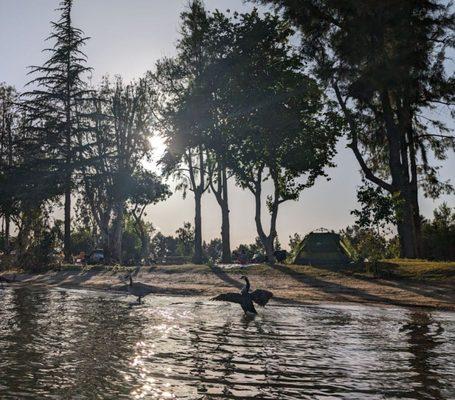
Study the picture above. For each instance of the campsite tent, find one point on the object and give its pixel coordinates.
(322, 248)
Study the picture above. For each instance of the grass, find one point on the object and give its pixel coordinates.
(388, 269)
(401, 268)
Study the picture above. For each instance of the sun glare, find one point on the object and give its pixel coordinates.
(158, 148)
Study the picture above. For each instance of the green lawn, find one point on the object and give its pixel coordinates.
(414, 269)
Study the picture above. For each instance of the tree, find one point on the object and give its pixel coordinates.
(9, 128)
(439, 234)
(52, 108)
(386, 64)
(162, 246)
(186, 155)
(117, 129)
(368, 243)
(282, 128)
(213, 249)
(213, 113)
(185, 239)
(294, 243)
(26, 193)
(147, 189)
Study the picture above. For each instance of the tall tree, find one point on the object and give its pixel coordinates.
(9, 128)
(214, 112)
(386, 64)
(117, 127)
(186, 158)
(201, 116)
(52, 107)
(283, 129)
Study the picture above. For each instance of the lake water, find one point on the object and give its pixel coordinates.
(72, 344)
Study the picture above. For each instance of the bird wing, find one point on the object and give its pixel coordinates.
(261, 297)
(231, 297)
(141, 289)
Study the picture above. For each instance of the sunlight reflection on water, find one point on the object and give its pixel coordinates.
(80, 344)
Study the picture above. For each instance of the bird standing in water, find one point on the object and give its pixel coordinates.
(246, 298)
(138, 289)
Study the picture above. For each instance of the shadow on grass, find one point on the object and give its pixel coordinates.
(221, 274)
(344, 292)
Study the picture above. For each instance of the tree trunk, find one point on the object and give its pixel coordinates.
(223, 200)
(197, 256)
(270, 249)
(116, 243)
(106, 242)
(67, 234)
(145, 247)
(402, 183)
(267, 241)
(408, 228)
(7, 230)
(226, 256)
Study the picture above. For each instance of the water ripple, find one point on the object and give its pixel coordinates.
(59, 344)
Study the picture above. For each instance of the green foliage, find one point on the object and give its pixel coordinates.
(378, 208)
(438, 235)
(162, 246)
(36, 244)
(388, 64)
(294, 244)
(213, 249)
(185, 240)
(116, 140)
(82, 240)
(366, 243)
(131, 247)
(250, 251)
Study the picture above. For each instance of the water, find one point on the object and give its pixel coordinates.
(69, 344)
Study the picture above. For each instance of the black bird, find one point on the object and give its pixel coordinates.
(246, 298)
(138, 289)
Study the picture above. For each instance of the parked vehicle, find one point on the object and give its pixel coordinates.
(95, 257)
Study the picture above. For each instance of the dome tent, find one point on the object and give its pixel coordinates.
(322, 248)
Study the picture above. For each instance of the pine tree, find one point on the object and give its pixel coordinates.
(52, 109)
(9, 121)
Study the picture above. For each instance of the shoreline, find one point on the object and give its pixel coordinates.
(291, 284)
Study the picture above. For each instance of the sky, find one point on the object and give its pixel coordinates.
(127, 38)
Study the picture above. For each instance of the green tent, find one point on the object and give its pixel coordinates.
(322, 248)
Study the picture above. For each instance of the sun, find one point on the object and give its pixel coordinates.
(158, 147)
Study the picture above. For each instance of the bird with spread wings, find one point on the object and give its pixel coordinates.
(245, 298)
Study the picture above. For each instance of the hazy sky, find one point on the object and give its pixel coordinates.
(127, 37)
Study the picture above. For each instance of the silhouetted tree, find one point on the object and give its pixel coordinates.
(147, 189)
(386, 63)
(186, 157)
(282, 127)
(117, 129)
(52, 108)
(439, 234)
(9, 128)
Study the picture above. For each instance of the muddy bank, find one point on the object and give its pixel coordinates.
(289, 283)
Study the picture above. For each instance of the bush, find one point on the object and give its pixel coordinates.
(368, 243)
(438, 235)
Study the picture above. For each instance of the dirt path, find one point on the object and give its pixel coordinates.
(296, 284)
